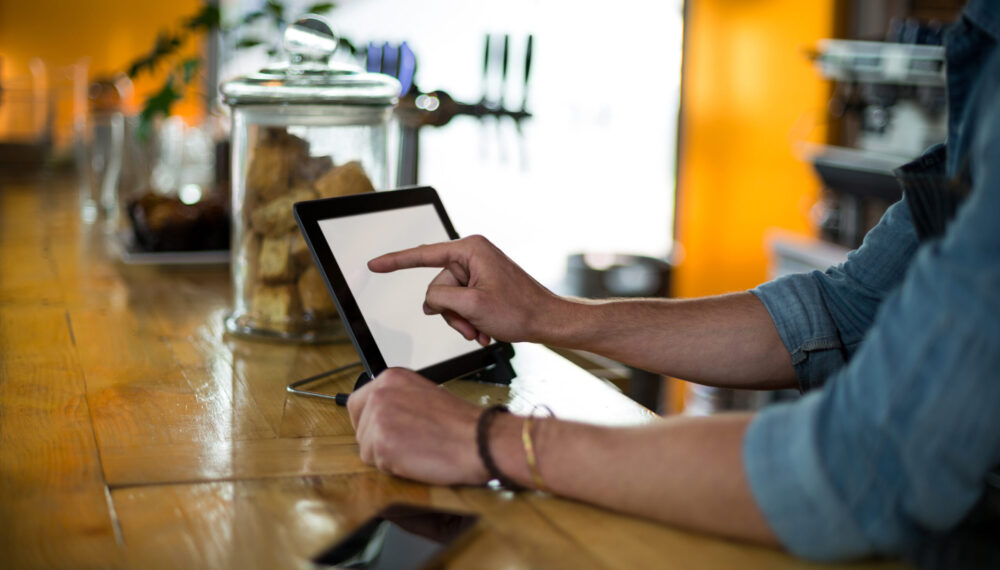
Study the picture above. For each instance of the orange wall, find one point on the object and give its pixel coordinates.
(110, 33)
(748, 93)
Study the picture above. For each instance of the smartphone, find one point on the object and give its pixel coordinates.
(400, 537)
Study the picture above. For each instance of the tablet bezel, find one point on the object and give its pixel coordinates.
(310, 213)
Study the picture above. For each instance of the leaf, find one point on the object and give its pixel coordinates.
(248, 43)
(157, 104)
(139, 65)
(320, 8)
(209, 17)
(166, 44)
(206, 19)
(276, 10)
(252, 17)
(164, 98)
(188, 68)
(346, 43)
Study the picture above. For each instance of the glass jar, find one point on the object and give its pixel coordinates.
(301, 130)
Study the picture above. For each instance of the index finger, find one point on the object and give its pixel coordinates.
(433, 255)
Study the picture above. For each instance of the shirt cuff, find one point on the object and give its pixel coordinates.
(799, 313)
(790, 484)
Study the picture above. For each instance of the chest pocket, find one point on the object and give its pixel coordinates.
(932, 195)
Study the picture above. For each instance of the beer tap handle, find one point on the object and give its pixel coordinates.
(486, 70)
(504, 66)
(527, 72)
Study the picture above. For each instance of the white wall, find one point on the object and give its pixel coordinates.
(594, 169)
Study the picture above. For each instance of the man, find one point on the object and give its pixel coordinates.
(888, 453)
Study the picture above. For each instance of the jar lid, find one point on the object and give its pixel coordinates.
(309, 76)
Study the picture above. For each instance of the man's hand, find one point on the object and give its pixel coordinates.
(683, 471)
(408, 426)
(480, 292)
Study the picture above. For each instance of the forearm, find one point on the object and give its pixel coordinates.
(728, 340)
(685, 471)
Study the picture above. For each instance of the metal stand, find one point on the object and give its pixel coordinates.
(294, 386)
(500, 372)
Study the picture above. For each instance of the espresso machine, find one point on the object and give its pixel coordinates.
(889, 102)
(887, 106)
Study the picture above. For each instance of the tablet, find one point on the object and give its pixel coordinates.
(383, 312)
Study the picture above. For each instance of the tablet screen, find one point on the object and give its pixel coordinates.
(392, 303)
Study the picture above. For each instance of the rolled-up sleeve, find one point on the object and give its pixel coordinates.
(899, 442)
(822, 317)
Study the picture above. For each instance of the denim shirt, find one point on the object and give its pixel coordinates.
(898, 350)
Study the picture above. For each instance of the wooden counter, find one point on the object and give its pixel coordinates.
(133, 433)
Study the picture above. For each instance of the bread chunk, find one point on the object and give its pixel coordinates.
(276, 264)
(274, 305)
(315, 296)
(273, 162)
(346, 179)
(275, 217)
(251, 256)
(299, 249)
(311, 169)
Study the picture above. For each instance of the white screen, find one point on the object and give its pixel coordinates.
(392, 303)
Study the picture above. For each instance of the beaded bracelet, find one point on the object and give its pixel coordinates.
(483, 443)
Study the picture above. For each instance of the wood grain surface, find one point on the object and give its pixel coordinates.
(135, 434)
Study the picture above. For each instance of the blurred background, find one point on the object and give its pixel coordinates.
(647, 148)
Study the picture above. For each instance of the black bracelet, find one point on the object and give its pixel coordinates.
(483, 443)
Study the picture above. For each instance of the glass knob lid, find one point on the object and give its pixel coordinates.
(309, 76)
(309, 39)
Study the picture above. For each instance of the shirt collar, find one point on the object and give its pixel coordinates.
(984, 14)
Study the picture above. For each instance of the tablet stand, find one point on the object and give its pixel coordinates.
(339, 398)
(500, 372)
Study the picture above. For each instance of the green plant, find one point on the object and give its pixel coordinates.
(183, 71)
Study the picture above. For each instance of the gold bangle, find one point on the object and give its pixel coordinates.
(529, 448)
